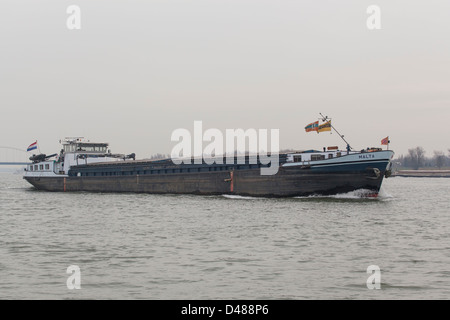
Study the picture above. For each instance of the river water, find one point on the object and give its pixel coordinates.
(139, 246)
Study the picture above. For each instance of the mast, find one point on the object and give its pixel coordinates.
(325, 119)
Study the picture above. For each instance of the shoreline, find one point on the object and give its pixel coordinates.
(422, 173)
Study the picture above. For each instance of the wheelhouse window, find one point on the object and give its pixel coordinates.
(91, 148)
(47, 167)
(297, 158)
(69, 148)
(316, 157)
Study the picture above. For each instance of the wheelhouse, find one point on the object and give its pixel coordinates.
(80, 146)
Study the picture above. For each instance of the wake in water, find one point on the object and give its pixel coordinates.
(356, 194)
(383, 194)
(232, 196)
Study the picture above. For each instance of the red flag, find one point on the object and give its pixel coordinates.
(385, 141)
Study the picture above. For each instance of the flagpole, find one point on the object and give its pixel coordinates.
(37, 144)
(340, 135)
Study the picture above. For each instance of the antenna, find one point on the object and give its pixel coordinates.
(325, 118)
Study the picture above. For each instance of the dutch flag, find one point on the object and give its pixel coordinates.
(32, 146)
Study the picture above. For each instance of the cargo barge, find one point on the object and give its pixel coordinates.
(85, 166)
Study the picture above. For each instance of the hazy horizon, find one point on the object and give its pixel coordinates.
(136, 71)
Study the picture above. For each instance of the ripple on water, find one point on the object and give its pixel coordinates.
(142, 246)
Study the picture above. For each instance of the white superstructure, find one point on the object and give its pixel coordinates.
(75, 151)
(315, 157)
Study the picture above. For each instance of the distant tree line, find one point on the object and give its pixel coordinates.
(416, 159)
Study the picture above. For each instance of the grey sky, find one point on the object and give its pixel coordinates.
(137, 70)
